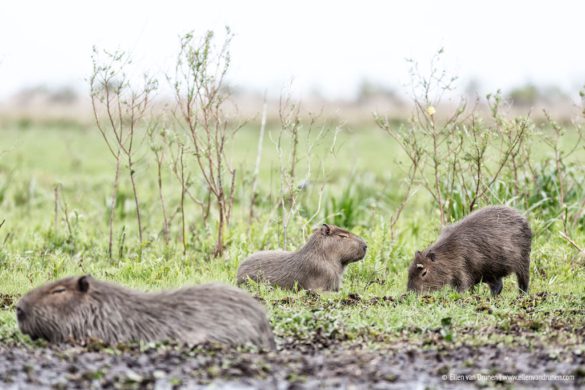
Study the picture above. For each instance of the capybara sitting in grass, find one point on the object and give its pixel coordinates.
(318, 265)
(82, 308)
(485, 246)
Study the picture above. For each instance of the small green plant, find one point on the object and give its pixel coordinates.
(342, 211)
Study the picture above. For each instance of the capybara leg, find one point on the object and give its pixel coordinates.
(523, 280)
(462, 283)
(496, 287)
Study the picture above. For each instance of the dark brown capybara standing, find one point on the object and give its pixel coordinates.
(318, 265)
(485, 246)
(82, 308)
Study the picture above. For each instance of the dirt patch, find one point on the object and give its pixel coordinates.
(342, 365)
(540, 346)
(7, 301)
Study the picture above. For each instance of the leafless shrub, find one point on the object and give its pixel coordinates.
(60, 203)
(414, 153)
(176, 148)
(296, 142)
(553, 138)
(157, 138)
(256, 172)
(488, 149)
(119, 106)
(454, 155)
(580, 127)
(198, 84)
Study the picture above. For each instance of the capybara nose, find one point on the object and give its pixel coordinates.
(365, 247)
(19, 314)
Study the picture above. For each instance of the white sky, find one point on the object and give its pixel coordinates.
(325, 45)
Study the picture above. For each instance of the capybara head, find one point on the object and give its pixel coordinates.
(55, 310)
(340, 243)
(427, 273)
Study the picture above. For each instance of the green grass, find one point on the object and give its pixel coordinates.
(363, 183)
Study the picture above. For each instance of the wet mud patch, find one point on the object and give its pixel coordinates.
(338, 366)
(7, 301)
(535, 344)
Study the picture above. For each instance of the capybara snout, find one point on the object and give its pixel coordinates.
(424, 275)
(48, 306)
(351, 248)
(342, 244)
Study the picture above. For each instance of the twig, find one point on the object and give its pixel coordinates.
(258, 160)
(56, 200)
(570, 241)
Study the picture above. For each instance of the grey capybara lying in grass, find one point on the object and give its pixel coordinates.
(82, 308)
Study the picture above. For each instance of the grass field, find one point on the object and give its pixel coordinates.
(359, 186)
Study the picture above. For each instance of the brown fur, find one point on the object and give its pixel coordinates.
(486, 246)
(318, 265)
(81, 308)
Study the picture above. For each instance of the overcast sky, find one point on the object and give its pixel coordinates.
(326, 45)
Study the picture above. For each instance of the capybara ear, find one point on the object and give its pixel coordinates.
(431, 256)
(83, 283)
(325, 229)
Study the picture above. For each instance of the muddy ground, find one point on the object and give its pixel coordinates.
(298, 366)
(322, 354)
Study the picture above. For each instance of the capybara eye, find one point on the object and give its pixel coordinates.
(423, 273)
(58, 290)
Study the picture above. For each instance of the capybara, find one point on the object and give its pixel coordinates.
(485, 246)
(318, 265)
(82, 308)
